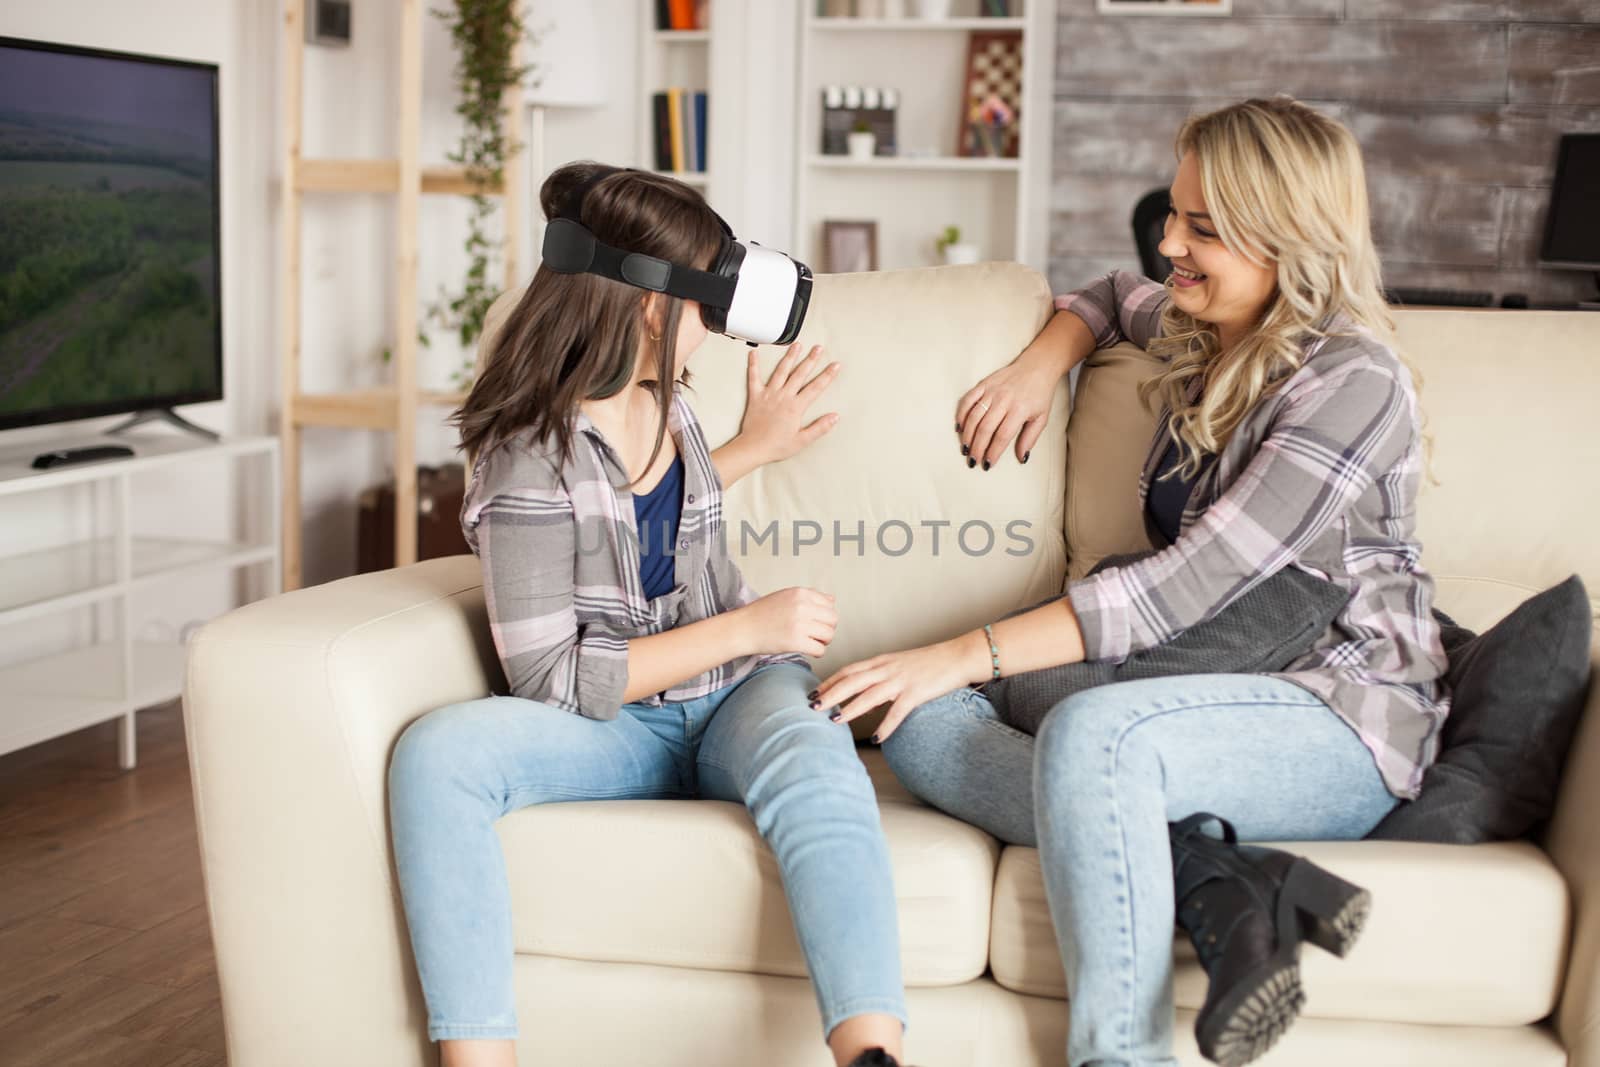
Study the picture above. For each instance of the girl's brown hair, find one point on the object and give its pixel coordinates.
(575, 337)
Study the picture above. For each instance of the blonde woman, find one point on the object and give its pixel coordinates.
(1290, 437)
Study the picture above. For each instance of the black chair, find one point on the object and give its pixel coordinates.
(1149, 222)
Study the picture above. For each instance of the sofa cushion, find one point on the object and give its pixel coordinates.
(1107, 442)
(1458, 935)
(1517, 692)
(690, 883)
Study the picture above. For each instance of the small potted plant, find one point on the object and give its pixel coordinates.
(951, 248)
(862, 142)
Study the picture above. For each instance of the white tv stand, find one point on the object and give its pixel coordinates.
(115, 676)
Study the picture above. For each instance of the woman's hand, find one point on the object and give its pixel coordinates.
(796, 619)
(904, 680)
(1014, 401)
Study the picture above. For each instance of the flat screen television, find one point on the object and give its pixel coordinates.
(1572, 228)
(110, 242)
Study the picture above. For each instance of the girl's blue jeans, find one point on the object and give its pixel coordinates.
(459, 768)
(1110, 768)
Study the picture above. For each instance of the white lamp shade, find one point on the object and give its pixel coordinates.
(565, 53)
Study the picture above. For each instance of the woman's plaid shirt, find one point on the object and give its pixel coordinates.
(1321, 475)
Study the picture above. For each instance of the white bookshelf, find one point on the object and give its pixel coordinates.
(676, 59)
(112, 676)
(1001, 205)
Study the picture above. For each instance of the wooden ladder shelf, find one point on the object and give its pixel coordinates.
(392, 408)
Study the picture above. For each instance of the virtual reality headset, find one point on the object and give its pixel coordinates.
(751, 293)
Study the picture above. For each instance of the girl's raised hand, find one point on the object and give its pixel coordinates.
(774, 426)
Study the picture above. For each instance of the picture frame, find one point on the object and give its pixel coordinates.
(1165, 7)
(994, 71)
(849, 246)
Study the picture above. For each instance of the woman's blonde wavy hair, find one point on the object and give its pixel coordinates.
(1284, 186)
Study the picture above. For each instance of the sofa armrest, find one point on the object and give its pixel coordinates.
(292, 706)
(1574, 844)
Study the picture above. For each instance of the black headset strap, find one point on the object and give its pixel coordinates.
(570, 248)
(635, 268)
(662, 276)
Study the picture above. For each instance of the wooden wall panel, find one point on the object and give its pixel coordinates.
(1127, 56)
(1458, 105)
(1555, 65)
(1325, 9)
(1436, 222)
(1476, 10)
(1507, 145)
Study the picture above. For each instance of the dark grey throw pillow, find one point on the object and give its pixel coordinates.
(1265, 630)
(1517, 692)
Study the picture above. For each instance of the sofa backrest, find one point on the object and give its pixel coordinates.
(1508, 397)
(1506, 394)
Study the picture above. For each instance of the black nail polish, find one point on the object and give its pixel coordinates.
(958, 427)
(875, 740)
(814, 694)
(816, 705)
(971, 463)
(985, 464)
(1025, 456)
(966, 449)
(836, 716)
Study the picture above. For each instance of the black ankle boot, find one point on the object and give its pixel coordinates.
(1247, 909)
(874, 1057)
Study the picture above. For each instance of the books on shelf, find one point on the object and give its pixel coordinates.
(683, 14)
(680, 129)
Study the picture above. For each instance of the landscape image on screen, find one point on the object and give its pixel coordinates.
(108, 248)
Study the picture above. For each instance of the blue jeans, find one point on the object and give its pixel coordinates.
(458, 769)
(1110, 768)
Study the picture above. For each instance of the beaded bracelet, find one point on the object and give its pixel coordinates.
(994, 653)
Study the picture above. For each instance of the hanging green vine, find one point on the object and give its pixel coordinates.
(485, 33)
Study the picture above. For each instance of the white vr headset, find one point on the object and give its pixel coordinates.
(750, 293)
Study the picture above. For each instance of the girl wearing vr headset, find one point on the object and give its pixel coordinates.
(640, 664)
(1293, 437)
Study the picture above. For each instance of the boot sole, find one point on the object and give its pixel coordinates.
(1252, 1018)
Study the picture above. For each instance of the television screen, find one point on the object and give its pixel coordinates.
(1572, 229)
(109, 233)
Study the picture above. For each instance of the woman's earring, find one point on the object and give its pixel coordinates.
(655, 337)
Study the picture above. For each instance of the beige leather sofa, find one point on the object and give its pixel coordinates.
(655, 933)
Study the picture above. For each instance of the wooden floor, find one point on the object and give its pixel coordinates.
(105, 953)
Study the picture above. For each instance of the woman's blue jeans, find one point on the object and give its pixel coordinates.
(1110, 768)
(458, 769)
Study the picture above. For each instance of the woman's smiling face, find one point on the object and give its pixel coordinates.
(1211, 282)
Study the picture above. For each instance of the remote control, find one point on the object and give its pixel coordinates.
(61, 457)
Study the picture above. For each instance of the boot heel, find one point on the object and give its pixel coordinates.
(1331, 911)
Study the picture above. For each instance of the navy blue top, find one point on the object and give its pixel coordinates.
(1168, 499)
(657, 513)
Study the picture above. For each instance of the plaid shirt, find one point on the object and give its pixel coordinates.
(559, 547)
(1321, 475)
